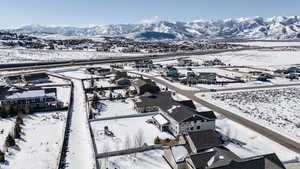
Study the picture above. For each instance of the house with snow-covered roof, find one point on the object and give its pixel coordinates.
(35, 98)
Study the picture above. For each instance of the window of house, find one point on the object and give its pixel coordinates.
(192, 128)
(198, 127)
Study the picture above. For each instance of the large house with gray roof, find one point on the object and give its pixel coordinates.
(143, 86)
(175, 116)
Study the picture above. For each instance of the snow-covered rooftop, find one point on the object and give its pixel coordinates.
(179, 153)
(160, 119)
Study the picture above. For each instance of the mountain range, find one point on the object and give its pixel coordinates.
(258, 28)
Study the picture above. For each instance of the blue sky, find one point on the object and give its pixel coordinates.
(84, 12)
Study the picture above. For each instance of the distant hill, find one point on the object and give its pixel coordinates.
(275, 28)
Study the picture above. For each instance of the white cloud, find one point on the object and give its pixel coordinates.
(155, 19)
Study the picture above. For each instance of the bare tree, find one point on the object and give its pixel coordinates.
(127, 143)
(139, 138)
(106, 149)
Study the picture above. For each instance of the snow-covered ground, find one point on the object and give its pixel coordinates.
(6, 126)
(254, 57)
(270, 44)
(23, 56)
(63, 94)
(255, 143)
(116, 108)
(125, 129)
(40, 144)
(80, 153)
(77, 74)
(277, 109)
(146, 160)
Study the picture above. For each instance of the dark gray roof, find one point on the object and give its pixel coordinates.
(15, 77)
(188, 103)
(35, 76)
(142, 82)
(222, 158)
(175, 109)
(205, 139)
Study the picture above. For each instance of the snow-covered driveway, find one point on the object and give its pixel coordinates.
(80, 153)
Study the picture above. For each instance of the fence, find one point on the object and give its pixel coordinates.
(66, 132)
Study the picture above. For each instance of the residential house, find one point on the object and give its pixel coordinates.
(120, 74)
(200, 78)
(98, 71)
(176, 156)
(13, 79)
(175, 117)
(123, 82)
(145, 85)
(143, 64)
(219, 157)
(292, 76)
(35, 98)
(222, 158)
(103, 71)
(265, 77)
(36, 78)
(202, 140)
(171, 72)
(215, 62)
(184, 62)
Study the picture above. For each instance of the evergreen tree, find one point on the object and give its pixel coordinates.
(10, 141)
(157, 140)
(19, 119)
(17, 131)
(2, 157)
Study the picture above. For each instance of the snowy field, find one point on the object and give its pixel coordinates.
(146, 160)
(116, 108)
(270, 44)
(277, 109)
(253, 57)
(77, 74)
(40, 144)
(256, 144)
(6, 126)
(25, 56)
(125, 129)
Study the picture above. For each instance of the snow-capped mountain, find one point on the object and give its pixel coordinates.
(274, 28)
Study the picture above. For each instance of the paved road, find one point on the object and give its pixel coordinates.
(67, 63)
(256, 87)
(285, 141)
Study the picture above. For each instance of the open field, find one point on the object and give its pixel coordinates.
(146, 160)
(275, 108)
(125, 129)
(40, 142)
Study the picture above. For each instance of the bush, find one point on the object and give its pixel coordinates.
(2, 157)
(10, 141)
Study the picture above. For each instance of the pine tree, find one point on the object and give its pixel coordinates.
(10, 141)
(19, 119)
(157, 140)
(2, 157)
